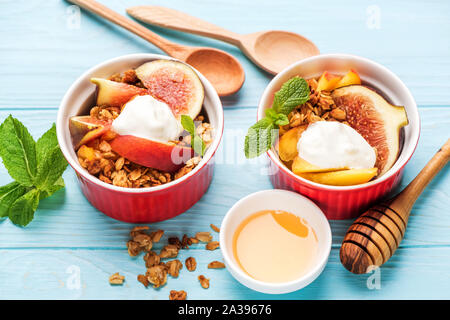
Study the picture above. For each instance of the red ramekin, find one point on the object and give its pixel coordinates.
(143, 205)
(345, 202)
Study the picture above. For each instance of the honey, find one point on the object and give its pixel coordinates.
(275, 246)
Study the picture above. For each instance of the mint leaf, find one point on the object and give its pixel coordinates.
(22, 210)
(262, 135)
(49, 190)
(281, 120)
(188, 124)
(198, 145)
(293, 92)
(18, 151)
(46, 143)
(196, 141)
(8, 194)
(51, 162)
(36, 167)
(271, 113)
(260, 138)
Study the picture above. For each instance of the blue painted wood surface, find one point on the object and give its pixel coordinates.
(43, 50)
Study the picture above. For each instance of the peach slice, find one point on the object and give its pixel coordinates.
(85, 128)
(300, 165)
(327, 81)
(159, 155)
(115, 94)
(287, 146)
(342, 177)
(86, 153)
(350, 78)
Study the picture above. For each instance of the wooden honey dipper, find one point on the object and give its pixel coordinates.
(373, 238)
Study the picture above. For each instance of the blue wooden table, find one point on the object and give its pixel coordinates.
(70, 249)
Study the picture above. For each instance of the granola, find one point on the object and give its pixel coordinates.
(151, 259)
(157, 275)
(203, 236)
(116, 279)
(215, 228)
(174, 267)
(216, 265)
(156, 236)
(212, 245)
(143, 279)
(169, 251)
(319, 107)
(186, 242)
(177, 295)
(175, 241)
(98, 158)
(204, 282)
(191, 264)
(142, 240)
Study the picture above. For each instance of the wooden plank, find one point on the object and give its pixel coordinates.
(419, 273)
(59, 50)
(68, 220)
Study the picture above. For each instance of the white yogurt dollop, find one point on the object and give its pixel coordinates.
(331, 144)
(148, 118)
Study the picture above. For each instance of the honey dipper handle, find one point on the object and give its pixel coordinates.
(404, 201)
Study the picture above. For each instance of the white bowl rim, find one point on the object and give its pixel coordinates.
(415, 139)
(61, 127)
(305, 279)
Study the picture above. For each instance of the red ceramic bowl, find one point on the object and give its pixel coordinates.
(340, 202)
(145, 204)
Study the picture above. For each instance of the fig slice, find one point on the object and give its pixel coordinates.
(174, 83)
(378, 121)
(86, 128)
(115, 94)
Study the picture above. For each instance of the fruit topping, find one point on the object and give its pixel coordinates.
(115, 94)
(159, 155)
(375, 119)
(174, 83)
(86, 128)
(327, 81)
(342, 177)
(287, 146)
(300, 166)
(350, 78)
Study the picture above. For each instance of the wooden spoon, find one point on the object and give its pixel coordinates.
(373, 238)
(270, 50)
(222, 69)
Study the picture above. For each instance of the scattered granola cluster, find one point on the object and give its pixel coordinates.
(320, 106)
(116, 279)
(158, 270)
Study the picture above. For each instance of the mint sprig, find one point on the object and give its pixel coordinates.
(197, 142)
(36, 167)
(263, 134)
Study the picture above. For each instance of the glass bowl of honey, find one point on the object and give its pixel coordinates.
(275, 241)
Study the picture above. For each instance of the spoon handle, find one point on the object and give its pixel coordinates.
(167, 46)
(173, 19)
